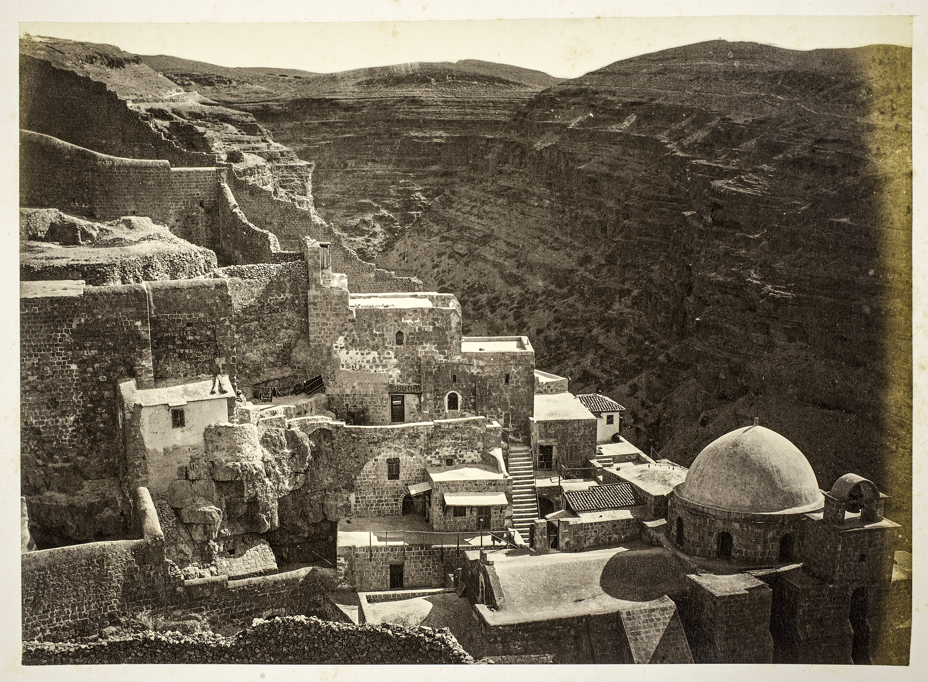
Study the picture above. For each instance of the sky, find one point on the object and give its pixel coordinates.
(565, 48)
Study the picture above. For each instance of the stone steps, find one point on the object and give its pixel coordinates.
(524, 502)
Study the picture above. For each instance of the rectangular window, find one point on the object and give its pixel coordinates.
(545, 455)
(459, 511)
(177, 418)
(393, 469)
(507, 379)
(454, 378)
(609, 418)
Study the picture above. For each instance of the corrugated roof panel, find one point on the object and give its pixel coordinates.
(602, 497)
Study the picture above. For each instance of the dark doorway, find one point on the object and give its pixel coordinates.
(396, 576)
(860, 650)
(483, 518)
(545, 456)
(679, 533)
(397, 409)
(545, 507)
(786, 547)
(725, 544)
(408, 506)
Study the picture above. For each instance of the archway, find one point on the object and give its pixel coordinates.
(408, 506)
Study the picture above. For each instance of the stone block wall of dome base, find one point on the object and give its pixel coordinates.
(756, 538)
(727, 619)
(851, 553)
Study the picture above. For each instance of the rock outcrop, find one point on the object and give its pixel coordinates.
(56, 246)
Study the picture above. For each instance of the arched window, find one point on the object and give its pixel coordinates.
(399, 338)
(786, 547)
(454, 401)
(679, 533)
(725, 545)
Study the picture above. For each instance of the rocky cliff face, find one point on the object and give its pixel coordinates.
(707, 234)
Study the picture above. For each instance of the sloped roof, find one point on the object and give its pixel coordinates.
(598, 404)
(602, 497)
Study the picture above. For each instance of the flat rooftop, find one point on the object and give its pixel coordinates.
(464, 473)
(654, 479)
(51, 288)
(547, 377)
(560, 407)
(501, 345)
(410, 529)
(181, 394)
(621, 449)
(566, 585)
(355, 301)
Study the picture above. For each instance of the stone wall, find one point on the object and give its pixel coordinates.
(81, 182)
(191, 328)
(367, 569)
(95, 117)
(415, 445)
(576, 535)
(294, 640)
(725, 622)
(442, 517)
(239, 241)
(574, 441)
(510, 403)
(376, 495)
(755, 538)
(854, 555)
(73, 350)
(290, 223)
(584, 639)
(269, 310)
(73, 591)
(809, 620)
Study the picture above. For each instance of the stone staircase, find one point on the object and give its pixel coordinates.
(524, 502)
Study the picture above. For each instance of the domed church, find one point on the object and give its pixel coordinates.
(744, 499)
(820, 563)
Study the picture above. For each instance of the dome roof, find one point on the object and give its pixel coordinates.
(753, 470)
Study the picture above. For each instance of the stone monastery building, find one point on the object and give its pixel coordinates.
(254, 422)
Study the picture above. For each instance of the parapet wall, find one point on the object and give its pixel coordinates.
(82, 182)
(290, 223)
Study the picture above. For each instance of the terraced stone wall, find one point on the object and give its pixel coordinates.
(82, 182)
(290, 224)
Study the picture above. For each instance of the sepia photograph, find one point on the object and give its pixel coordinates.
(572, 339)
